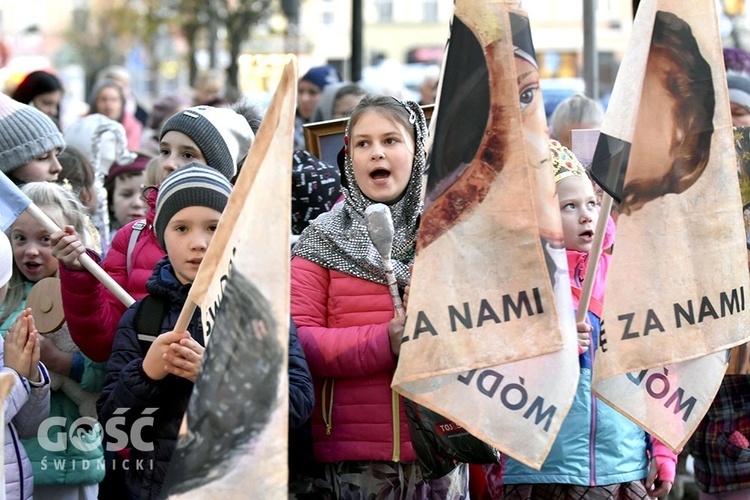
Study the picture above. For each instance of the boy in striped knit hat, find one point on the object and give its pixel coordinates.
(160, 373)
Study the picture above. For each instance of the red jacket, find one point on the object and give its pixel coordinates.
(91, 311)
(342, 322)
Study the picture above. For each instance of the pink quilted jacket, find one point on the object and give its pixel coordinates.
(342, 322)
(91, 311)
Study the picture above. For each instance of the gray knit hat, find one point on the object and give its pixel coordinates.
(189, 186)
(223, 136)
(25, 133)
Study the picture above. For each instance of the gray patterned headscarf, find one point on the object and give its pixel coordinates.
(339, 239)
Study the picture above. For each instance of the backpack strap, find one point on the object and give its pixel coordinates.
(149, 317)
(138, 227)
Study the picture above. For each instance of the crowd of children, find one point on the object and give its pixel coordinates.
(341, 405)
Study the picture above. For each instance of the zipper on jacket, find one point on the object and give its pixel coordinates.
(327, 415)
(396, 427)
(16, 444)
(592, 436)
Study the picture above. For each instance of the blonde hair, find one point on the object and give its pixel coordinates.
(60, 205)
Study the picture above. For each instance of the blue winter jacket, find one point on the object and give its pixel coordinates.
(127, 387)
(596, 446)
(129, 394)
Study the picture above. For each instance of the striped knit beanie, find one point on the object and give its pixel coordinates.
(25, 133)
(223, 136)
(189, 186)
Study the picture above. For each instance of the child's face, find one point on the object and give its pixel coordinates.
(31, 249)
(176, 150)
(127, 201)
(579, 212)
(382, 157)
(40, 169)
(186, 237)
(48, 102)
(109, 103)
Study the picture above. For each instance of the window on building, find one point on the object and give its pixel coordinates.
(384, 9)
(430, 11)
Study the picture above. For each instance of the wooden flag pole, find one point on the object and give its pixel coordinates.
(85, 259)
(594, 254)
(188, 308)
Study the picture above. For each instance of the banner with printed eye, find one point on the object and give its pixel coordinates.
(676, 293)
(237, 418)
(490, 338)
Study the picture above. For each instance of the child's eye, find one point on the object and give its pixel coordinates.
(180, 229)
(569, 206)
(361, 144)
(188, 155)
(591, 204)
(164, 152)
(391, 140)
(45, 240)
(213, 227)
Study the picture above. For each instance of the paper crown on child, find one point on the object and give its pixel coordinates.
(25, 133)
(189, 186)
(564, 162)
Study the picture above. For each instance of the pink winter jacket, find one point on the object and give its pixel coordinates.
(91, 311)
(342, 322)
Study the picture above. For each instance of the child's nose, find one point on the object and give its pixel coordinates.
(55, 166)
(32, 249)
(201, 240)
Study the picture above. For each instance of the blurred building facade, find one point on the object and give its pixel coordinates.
(399, 33)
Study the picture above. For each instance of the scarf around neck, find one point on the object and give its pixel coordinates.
(339, 239)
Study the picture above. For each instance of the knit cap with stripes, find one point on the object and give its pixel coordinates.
(189, 186)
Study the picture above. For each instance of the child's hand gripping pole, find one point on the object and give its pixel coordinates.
(13, 202)
(380, 227)
(86, 260)
(594, 254)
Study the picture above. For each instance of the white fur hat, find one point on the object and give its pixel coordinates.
(101, 139)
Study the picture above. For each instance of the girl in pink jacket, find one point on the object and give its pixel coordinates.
(345, 318)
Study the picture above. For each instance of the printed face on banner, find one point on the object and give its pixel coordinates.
(530, 101)
(672, 136)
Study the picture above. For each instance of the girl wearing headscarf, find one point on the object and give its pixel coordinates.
(342, 307)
